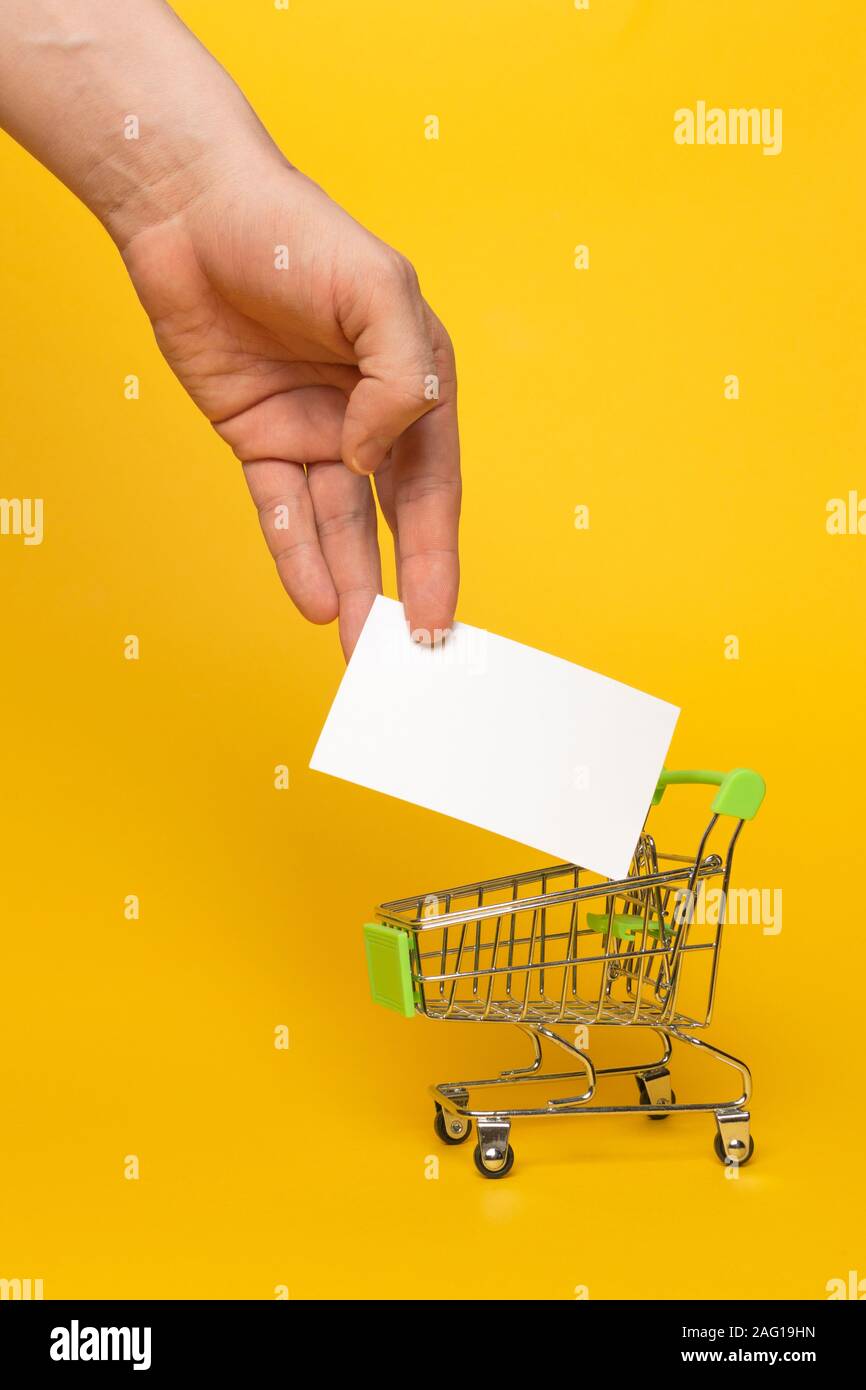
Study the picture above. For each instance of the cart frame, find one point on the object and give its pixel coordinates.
(645, 953)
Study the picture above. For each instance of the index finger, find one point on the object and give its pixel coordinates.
(425, 476)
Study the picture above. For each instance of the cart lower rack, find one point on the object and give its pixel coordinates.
(561, 948)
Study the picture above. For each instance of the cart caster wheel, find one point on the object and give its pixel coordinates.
(645, 1100)
(451, 1129)
(726, 1158)
(489, 1172)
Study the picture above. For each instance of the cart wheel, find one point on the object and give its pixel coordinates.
(454, 1130)
(645, 1100)
(489, 1172)
(726, 1158)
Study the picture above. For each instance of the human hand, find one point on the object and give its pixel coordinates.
(302, 337)
(319, 363)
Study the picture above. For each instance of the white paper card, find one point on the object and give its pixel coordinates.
(495, 733)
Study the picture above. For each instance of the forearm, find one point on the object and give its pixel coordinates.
(123, 104)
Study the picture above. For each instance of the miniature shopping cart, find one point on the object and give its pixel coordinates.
(567, 950)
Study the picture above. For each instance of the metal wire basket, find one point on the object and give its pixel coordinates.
(565, 947)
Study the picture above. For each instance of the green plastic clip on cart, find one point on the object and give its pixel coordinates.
(562, 949)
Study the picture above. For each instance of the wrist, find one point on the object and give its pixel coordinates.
(124, 104)
(176, 165)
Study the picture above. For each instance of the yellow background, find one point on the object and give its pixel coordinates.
(307, 1167)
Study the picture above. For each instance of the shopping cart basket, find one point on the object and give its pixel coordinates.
(562, 948)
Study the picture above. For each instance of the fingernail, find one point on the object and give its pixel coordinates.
(369, 455)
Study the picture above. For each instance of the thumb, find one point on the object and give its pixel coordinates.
(395, 357)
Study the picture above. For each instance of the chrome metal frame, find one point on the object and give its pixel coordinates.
(518, 949)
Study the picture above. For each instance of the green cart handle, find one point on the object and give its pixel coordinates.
(740, 793)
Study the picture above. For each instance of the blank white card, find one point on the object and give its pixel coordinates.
(500, 735)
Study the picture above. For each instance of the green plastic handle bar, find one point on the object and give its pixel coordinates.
(740, 793)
